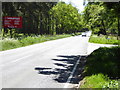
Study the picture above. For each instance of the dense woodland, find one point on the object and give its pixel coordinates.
(59, 18)
(43, 17)
(35, 15)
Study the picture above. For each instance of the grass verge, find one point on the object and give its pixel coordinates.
(104, 39)
(102, 68)
(14, 43)
(99, 81)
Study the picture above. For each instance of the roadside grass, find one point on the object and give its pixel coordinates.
(104, 39)
(102, 68)
(7, 44)
(99, 81)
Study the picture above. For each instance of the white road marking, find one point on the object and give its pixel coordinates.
(71, 75)
(16, 60)
(21, 58)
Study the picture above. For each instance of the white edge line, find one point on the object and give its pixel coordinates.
(71, 75)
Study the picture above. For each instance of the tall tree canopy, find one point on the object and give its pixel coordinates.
(44, 17)
(35, 15)
(101, 18)
(66, 18)
(115, 7)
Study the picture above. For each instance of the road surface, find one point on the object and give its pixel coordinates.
(44, 65)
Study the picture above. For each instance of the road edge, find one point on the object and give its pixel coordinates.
(67, 84)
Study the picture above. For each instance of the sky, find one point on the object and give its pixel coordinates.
(76, 3)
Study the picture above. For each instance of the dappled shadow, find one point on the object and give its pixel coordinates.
(38, 68)
(64, 67)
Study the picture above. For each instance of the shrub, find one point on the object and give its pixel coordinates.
(104, 60)
(102, 68)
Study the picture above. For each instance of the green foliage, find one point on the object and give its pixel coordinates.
(111, 84)
(35, 16)
(99, 81)
(66, 18)
(42, 18)
(104, 60)
(115, 8)
(99, 18)
(102, 68)
(104, 39)
(11, 43)
(95, 81)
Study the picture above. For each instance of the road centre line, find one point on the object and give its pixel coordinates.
(21, 58)
(71, 75)
(16, 60)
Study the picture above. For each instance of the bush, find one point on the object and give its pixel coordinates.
(104, 60)
(102, 68)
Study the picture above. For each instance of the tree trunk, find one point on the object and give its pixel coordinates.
(11, 35)
(41, 25)
(104, 29)
(118, 26)
(118, 29)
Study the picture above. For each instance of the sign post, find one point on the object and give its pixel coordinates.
(12, 22)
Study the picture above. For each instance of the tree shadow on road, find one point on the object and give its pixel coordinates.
(64, 67)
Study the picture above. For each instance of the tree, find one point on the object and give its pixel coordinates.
(115, 6)
(66, 18)
(35, 15)
(98, 18)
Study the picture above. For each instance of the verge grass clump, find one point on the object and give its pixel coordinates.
(104, 40)
(102, 65)
(7, 44)
(95, 81)
(99, 81)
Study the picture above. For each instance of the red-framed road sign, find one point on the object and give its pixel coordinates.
(12, 22)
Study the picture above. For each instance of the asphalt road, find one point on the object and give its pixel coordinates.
(44, 65)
